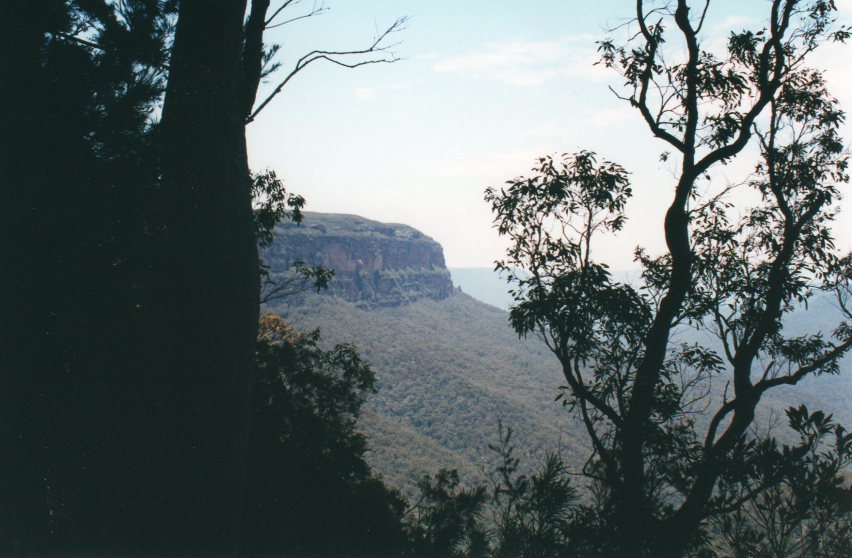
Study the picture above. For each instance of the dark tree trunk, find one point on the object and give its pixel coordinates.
(208, 300)
(22, 408)
(124, 397)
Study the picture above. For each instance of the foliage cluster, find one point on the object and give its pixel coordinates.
(733, 270)
(310, 490)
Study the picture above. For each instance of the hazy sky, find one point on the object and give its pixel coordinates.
(484, 88)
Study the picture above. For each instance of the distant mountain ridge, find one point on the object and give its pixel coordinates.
(491, 287)
(375, 264)
(449, 367)
(484, 284)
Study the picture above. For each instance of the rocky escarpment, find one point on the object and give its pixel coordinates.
(375, 264)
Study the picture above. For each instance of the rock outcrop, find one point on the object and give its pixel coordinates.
(375, 264)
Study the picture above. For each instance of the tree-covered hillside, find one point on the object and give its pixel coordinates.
(449, 369)
(821, 313)
(447, 372)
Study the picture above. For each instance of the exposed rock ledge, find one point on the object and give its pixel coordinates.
(375, 264)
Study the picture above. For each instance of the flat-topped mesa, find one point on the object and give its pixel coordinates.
(375, 264)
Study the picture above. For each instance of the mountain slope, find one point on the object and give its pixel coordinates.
(448, 371)
(449, 366)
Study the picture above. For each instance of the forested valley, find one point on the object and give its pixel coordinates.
(193, 364)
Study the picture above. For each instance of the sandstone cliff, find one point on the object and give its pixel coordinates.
(375, 264)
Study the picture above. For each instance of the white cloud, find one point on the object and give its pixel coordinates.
(547, 130)
(364, 93)
(611, 117)
(524, 63)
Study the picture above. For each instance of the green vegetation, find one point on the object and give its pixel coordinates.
(447, 371)
(732, 268)
(147, 409)
(310, 491)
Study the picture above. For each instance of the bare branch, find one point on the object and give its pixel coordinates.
(703, 15)
(335, 58)
(604, 453)
(652, 44)
(582, 392)
(315, 11)
(280, 9)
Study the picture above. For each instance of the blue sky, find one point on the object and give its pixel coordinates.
(484, 87)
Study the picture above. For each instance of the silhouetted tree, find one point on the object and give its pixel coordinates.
(130, 289)
(208, 299)
(521, 515)
(75, 189)
(733, 270)
(533, 514)
(447, 518)
(800, 508)
(311, 493)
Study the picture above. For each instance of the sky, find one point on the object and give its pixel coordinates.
(482, 89)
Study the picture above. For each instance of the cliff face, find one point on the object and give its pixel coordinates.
(375, 264)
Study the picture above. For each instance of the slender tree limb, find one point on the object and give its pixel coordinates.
(583, 393)
(334, 57)
(606, 456)
(315, 11)
(767, 86)
(280, 9)
(794, 378)
(652, 44)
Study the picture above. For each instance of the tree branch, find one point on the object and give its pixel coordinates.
(332, 56)
(794, 378)
(652, 44)
(583, 393)
(315, 11)
(280, 9)
(766, 86)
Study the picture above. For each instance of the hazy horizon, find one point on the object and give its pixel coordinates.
(482, 90)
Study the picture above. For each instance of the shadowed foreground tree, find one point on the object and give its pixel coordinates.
(515, 514)
(76, 170)
(732, 269)
(311, 493)
(129, 290)
(788, 502)
(207, 305)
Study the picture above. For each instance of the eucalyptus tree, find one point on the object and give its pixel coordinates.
(731, 267)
